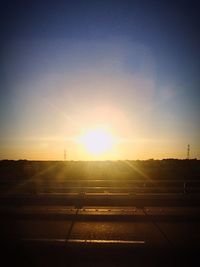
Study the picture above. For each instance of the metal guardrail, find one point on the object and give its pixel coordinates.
(100, 186)
(79, 200)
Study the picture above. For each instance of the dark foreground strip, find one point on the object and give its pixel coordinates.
(99, 215)
(87, 242)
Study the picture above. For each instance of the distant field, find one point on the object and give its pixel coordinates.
(99, 176)
(152, 169)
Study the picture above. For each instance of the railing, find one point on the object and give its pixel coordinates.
(39, 185)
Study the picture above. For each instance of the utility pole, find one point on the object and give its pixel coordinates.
(65, 155)
(188, 152)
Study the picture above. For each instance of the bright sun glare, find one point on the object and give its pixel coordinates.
(97, 141)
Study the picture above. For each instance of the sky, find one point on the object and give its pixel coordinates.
(130, 67)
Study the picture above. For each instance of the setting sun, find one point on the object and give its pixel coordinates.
(97, 141)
